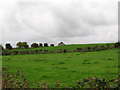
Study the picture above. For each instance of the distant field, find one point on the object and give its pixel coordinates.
(67, 47)
(65, 67)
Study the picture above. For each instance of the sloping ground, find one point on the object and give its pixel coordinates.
(61, 49)
(67, 47)
(67, 68)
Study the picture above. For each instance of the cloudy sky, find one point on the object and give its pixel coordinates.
(52, 21)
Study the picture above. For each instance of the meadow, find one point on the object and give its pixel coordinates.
(66, 68)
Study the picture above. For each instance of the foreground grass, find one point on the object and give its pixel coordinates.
(65, 67)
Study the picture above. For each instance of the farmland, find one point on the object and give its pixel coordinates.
(67, 68)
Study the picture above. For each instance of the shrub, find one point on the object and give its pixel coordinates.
(8, 46)
(40, 45)
(45, 44)
(22, 45)
(17, 80)
(19, 44)
(98, 83)
(89, 49)
(52, 45)
(117, 44)
(26, 46)
(34, 45)
(65, 51)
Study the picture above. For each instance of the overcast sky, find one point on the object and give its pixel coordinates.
(52, 21)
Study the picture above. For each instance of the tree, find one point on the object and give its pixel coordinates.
(19, 44)
(8, 46)
(117, 44)
(26, 46)
(45, 45)
(22, 45)
(52, 45)
(34, 45)
(40, 45)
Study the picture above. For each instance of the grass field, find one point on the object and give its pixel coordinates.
(65, 67)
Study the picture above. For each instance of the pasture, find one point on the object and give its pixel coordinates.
(67, 68)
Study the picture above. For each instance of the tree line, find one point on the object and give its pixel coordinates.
(25, 45)
(45, 51)
(35, 45)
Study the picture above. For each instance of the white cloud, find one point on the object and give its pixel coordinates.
(52, 21)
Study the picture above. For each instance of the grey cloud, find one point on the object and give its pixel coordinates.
(70, 21)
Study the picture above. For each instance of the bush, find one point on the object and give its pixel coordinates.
(26, 46)
(117, 44)
(22, 45)
(40, 45)
(45, 45)
(34, 45)
(17, 80)
(52, 45)
(65, 51)
(8, 46)
(98, 83)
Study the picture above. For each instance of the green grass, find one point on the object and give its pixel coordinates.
(65, 67)
(67, 47)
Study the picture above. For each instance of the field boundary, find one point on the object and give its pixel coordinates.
(81, 49)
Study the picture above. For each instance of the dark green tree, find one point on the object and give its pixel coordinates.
(40, 45)
(34, 45)
(25, 45)
(45, 44)
(8, 46)
(22, 45)
(19, 44)
(117, 44)
(52, 45)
